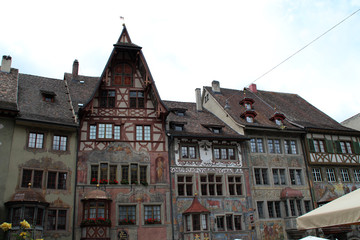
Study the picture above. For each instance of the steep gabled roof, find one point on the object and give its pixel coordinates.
(299, 114)
(197, 124)
(32, 105)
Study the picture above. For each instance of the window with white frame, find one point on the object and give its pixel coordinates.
(188, 152)
(317, 174)
(319, 145)
(224, 153)
(261, 176)
(357, 175)
(104, 131)
(143, 133)
(211, 185)
(290, 147)
(330, 172)
(185, 185)
(296, 177)
(59, 143)
(256, 145)
(279, 176)
(274, 146)
(344, 175)
(35, 140)
(196, 222)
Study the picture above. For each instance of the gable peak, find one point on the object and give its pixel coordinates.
(124, 36)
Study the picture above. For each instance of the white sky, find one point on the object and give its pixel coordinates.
(187, 44)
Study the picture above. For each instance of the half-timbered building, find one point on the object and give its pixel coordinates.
(122, 180)
(209, 175)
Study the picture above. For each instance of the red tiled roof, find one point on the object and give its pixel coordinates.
(196, 207)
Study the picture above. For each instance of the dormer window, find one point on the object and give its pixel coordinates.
(249, 119)
(214, 128)
(48, 96)
(180, 113)
(278, 118)
(178, 127)
(247, 103)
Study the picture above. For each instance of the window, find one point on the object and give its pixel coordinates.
(279, 176)
(47, 97)
(180, 113)
(317, 174)
(196, 222)
(185, 185)
(107, 98)
(178, 127)
(260, 209)
(32, 176)
(103, 173)
(290, 147)
(343, 147)
(59, 143)
(105, 131)
(307, 205)
(224, 153)
(137, 99)
(249, 119)
(188, 152)
(56, 219)
(134, 173)
(211, 185)
(56, 180)
(96, 209)
(274, 146)
(235, 185)
(256, 145)
(152, 214)
(123, 75)
(357, 175)
(330, 172)
(143, 133)
(296, 177)
(274, 209)
(344, 175)
(127, 215)
(319, 146)
(228, 222)
(261, 176)
(36, 140)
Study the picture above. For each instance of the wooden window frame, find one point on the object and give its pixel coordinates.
(224, 153)
(102, 132)
(60, 144)
(36, 140)
(123, 75)
(235, 185)
(107, 98)
(146, 133)
(137, 99)
(33, 179)
(127, 177)
(296, 177)
(257, 145)
(189, 149)
(280, 174)
(57, 183)
(211, 184)
(129, 217)
(57, 218)
(317, 176)
(263, 176)
(155, 213)
(185, 185)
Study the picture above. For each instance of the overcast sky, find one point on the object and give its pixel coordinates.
(188, 44)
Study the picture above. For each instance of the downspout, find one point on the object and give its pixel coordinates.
(75, 185)
(170, 141)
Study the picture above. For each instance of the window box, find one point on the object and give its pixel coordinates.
(104, 181)
(124, 181)
(135, 182)
(144, 183)
(113, 181)
(96, 222)
(94, 181)
(126, 222)
(152, 221)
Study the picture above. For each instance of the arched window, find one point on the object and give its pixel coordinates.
(123, 75)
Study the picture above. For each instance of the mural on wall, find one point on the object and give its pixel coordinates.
(272, 231)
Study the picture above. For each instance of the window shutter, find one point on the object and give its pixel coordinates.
(338, 147)
(311, 145)
(356, 147)
(329, 146)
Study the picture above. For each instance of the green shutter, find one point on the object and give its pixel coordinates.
(356, 147)
(329, 146)
(311, 145)
(338, 147)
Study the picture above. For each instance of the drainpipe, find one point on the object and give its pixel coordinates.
(75, 185)
(170, 141)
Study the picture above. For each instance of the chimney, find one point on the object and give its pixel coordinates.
(215, 86)
(6, 64)
(252, 88)
(75, 70)
(198, 100)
